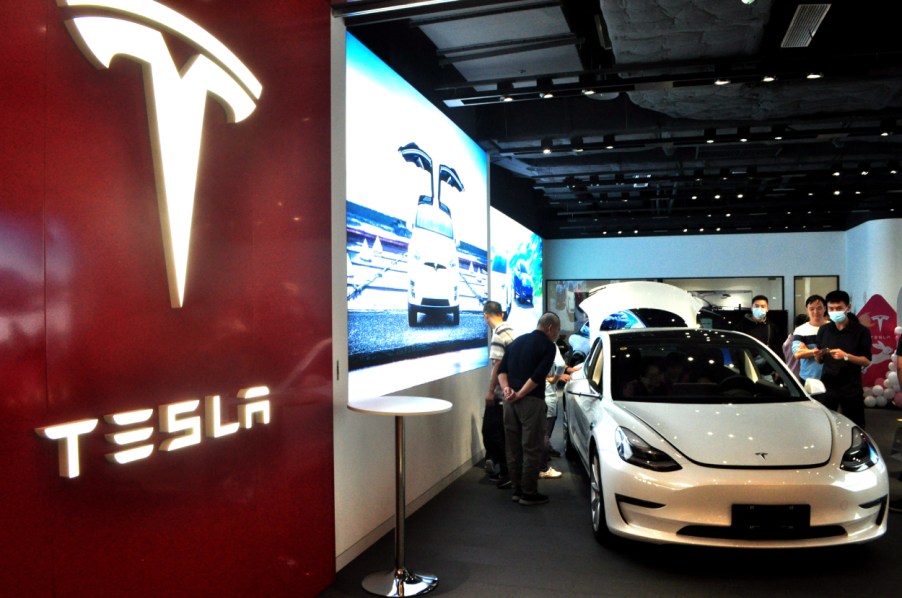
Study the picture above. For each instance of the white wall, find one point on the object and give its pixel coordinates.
(867, 258)
(700, 256)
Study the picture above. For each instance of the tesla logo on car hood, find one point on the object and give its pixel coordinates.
(762, 455)
(176, 99)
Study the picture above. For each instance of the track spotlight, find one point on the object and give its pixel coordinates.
(576, 144)
(836, 170)
(609, 141)
(547, 145)
(743, 134)
(710, 134)
(778, 131)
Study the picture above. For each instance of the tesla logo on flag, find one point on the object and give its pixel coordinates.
(176, 98)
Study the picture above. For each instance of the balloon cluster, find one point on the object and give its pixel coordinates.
(886, 390)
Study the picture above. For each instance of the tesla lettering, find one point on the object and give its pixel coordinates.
(178, 419)
(176, 100)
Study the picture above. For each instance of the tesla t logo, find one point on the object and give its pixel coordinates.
(763, 456)
(176, 99)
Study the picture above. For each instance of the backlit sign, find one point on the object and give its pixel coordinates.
(180, 420)
(175, 97)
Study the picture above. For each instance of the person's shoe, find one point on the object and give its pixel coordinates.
(489, 466)
(496, 477)
(516, 496)
(505, 483)
(549, 473)
(533, 499)
(552, 452)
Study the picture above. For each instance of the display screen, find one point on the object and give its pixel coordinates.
(417, 207)
(516, 271)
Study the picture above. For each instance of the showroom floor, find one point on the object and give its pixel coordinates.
(480, 544)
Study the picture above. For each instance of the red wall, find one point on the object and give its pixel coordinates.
(87, 330)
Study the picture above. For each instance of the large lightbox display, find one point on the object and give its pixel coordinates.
(417, 204)
(516, 280)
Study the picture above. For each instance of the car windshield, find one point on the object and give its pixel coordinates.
(435, 220)
(697, 366)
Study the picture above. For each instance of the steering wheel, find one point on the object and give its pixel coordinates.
(738, 386)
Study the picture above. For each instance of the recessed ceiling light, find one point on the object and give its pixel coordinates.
(768, 78)
(721, 81)
(814, 75)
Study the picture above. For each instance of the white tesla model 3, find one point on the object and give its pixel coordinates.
(704, 437)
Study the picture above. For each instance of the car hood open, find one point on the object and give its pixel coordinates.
(794, 434)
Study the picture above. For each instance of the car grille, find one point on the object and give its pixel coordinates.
(776, 533)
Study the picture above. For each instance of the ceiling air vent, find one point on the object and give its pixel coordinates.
(804, 25)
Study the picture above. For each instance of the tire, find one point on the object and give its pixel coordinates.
(411, 316)
(596, 504)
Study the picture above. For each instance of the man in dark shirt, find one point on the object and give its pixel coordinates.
(522, 373)
(758, 326)
(844, 347)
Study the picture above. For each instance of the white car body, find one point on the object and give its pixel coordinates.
(744, 461)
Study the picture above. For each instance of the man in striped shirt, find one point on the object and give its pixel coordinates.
(493, 418)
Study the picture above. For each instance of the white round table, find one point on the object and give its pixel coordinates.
(399, 581)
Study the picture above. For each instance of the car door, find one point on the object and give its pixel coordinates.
(583, 394)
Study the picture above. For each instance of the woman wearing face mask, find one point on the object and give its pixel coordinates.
(844, 347)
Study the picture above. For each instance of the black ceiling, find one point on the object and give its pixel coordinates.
(658, 148)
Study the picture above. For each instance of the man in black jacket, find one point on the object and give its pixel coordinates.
(522, 373)
(758, 326)
(844, 347)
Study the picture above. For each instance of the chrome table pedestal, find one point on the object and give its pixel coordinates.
(399, 581)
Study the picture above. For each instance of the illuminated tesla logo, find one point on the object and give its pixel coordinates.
(181, 420)
(176, 99)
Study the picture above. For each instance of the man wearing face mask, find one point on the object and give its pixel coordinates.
(844, 347)
(758, 326)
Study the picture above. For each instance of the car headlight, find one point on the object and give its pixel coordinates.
(861, 455)
(636, 451)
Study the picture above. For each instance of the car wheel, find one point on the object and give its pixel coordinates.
(596, 500)
(455, 316)
(411, 316)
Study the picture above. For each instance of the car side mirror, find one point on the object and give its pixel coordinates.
(813, 386)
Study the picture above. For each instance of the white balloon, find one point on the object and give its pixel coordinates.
(870, 401)
(881, 401)
(868, 391)
(877, 391)
(892, 377)
(898, 330)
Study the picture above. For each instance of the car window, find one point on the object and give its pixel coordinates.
(594, 367)
(697, 367)
(437, 221)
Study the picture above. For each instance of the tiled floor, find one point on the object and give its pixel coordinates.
(480, 544)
